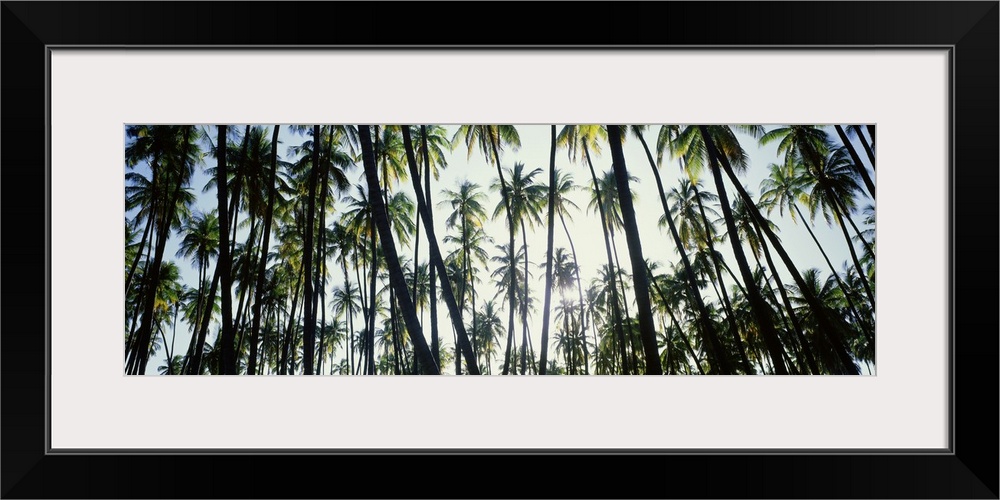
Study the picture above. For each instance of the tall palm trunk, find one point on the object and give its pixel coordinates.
(796, 325)
(454, 309)
(543, 359)
(719, 358)
(825, 324)
(761, 311)
(854, 257)
(730, 314)
(169, 212)
(350, 319)
(130, 344)
(309, 319)
(859, 167)
(372, 293)
(615, 312)
(468, 275)
(833, 271)
(864, 143)
(264, 247)
(579, 289)
(512, 278)
(396, 279)
(142, 243)
(524, 304)
(287, 343)
(320, 279)
(647, 331)
(432, 272)
(620, 282)
(673, 320)
(225, 261)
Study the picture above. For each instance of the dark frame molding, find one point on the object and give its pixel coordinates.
(968, 470)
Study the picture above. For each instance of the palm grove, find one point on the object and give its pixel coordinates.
(310, 262)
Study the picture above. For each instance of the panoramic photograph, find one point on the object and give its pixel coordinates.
(394, 249)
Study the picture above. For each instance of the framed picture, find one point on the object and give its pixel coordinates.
(923, 75)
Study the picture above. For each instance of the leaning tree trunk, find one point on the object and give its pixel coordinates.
(858, 165)
(796, 325)
(264, 246)
(615, 312)
(825, 324)
(435, 253)
(512, 281)
(720, 359)
(726, 303)
(432, 272)
(647, 332)
(543, 356)
(396, 278)
(579, 289)
(225, 262)
(309, 323)
(761, 311)
(833, 272)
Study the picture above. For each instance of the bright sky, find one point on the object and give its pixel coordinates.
(584, 226)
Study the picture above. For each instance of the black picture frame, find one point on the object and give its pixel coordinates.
(968, 29)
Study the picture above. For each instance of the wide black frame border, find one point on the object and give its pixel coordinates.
(970, 28)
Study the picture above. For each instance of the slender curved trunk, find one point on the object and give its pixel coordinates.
(854, 257)
(350, 320)
(512, 281)
(673, 319)
(436, 260)
(825, 325)
(579, 288)
(524, 304)
(796, 325)
(372, 292)
(309, 323)
(432, 272)
(169, 212)
(859, 167)
(142, 243)
(730, 314)
(225, 261)
(396, 278)
(616, 314)
(287, 343)
(620, 282)
(264, 247)
(719, 358)
(833, 271)
(543, 359)
(759, 308)
(647, 330)
(865, 146)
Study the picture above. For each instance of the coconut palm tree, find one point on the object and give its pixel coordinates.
(396, 278)
(563, 205)
(588, 138)
(548, 250)
(272, 193)
(468, 214)
(525, 201)
(785, 188)
(724, 160)
(491, 141)
(830, 189)
(700, 147)
(437, 261)
(172, 159)
(647, 329)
